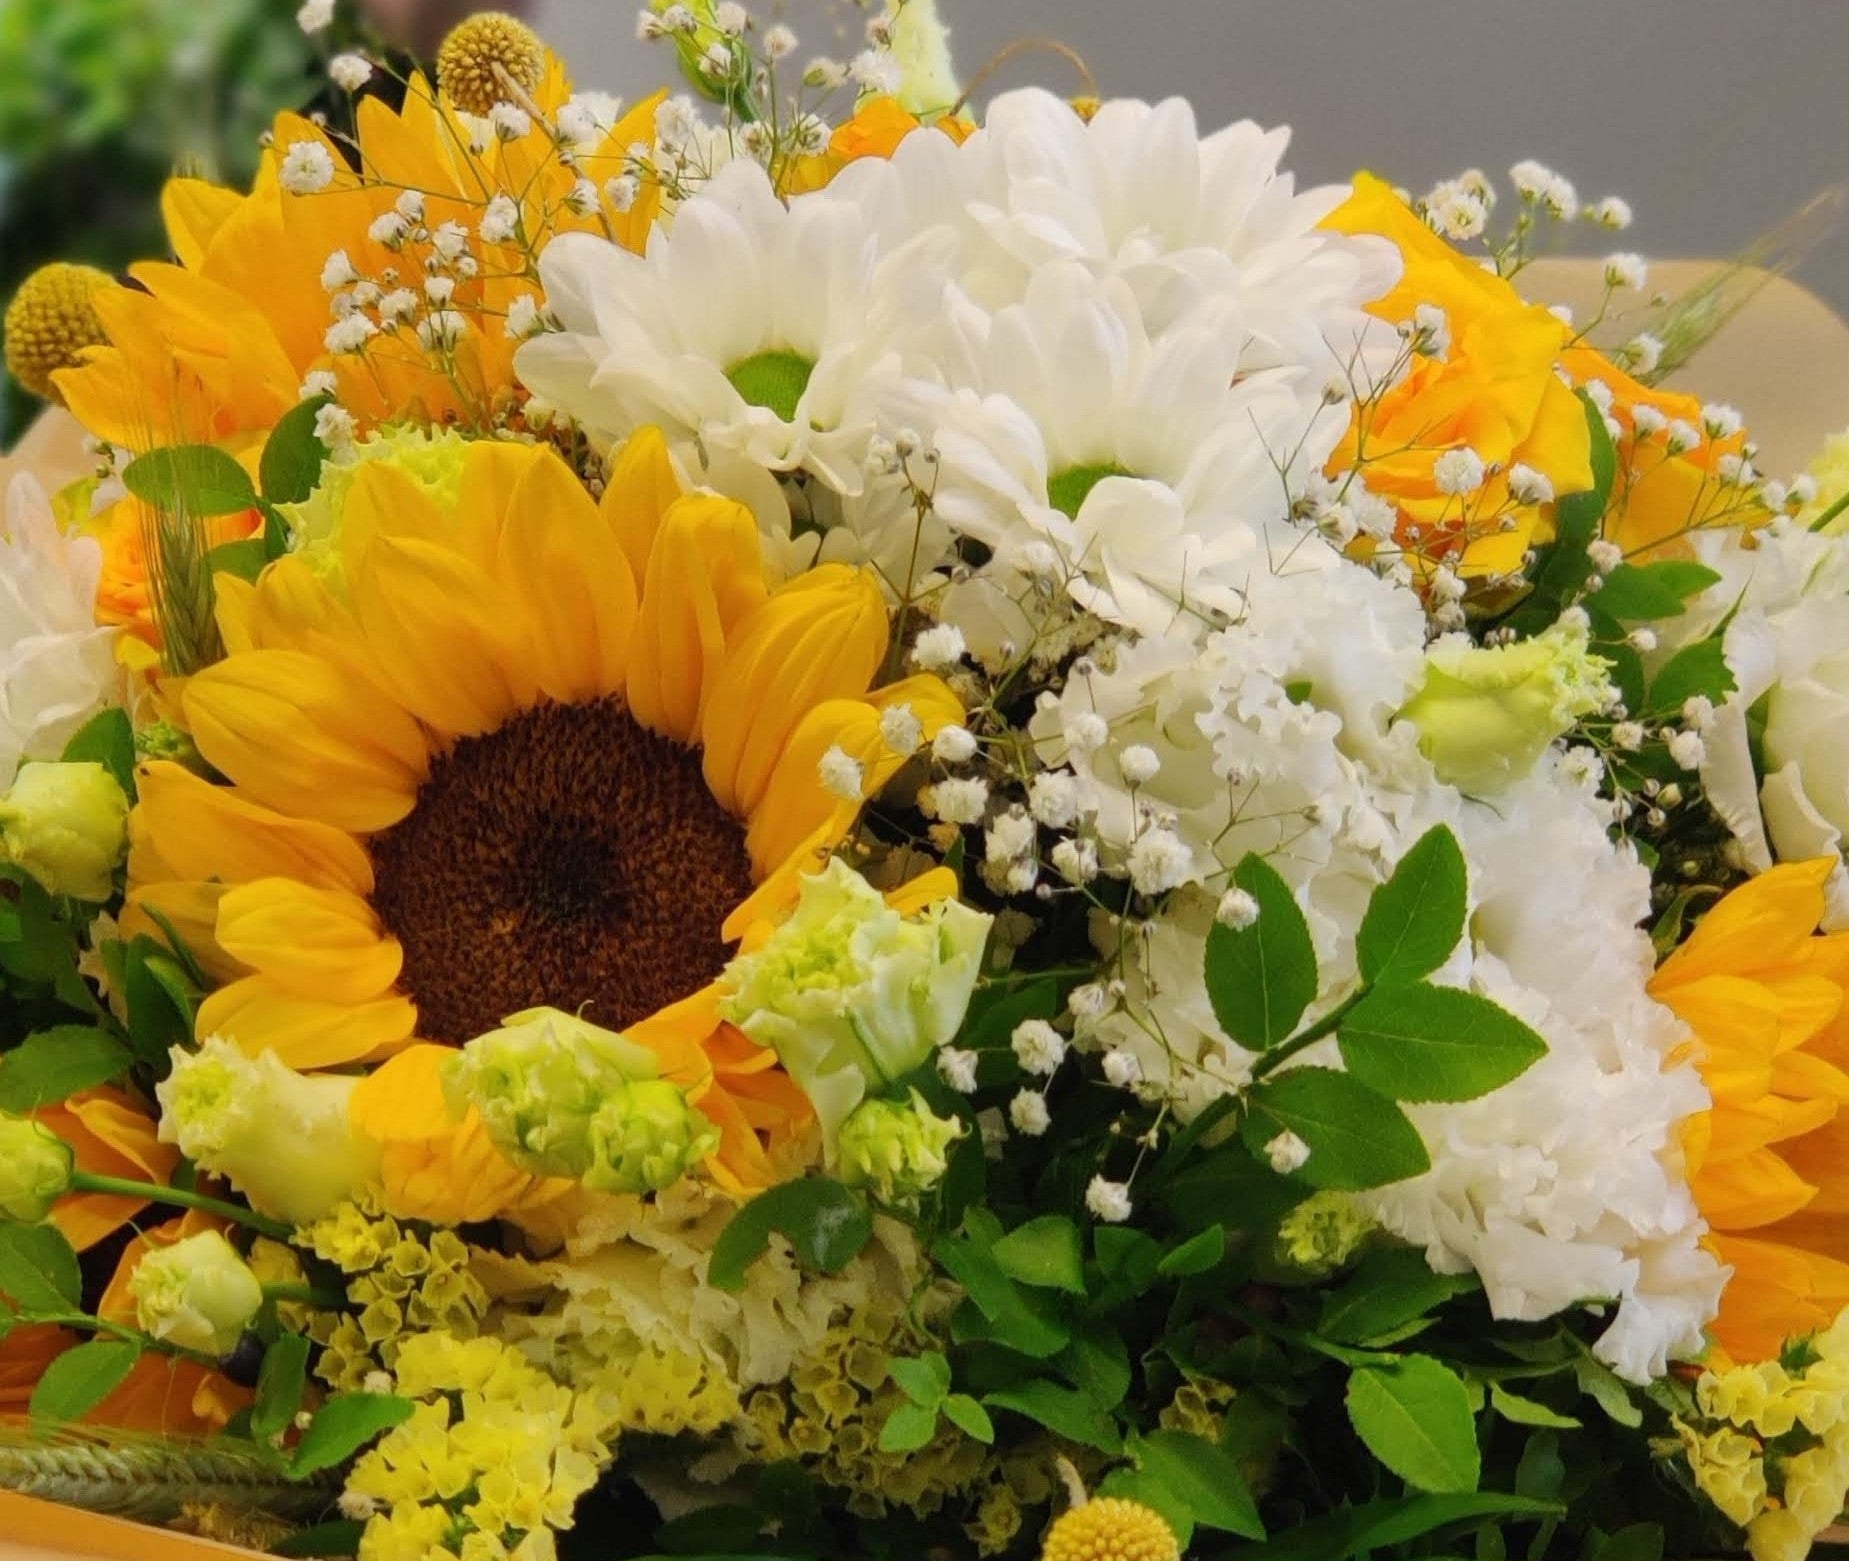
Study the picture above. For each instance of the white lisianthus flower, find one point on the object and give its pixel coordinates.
(197, 1294)
(57, 668)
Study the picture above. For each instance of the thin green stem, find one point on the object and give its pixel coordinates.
(146, 1342)
(1325, 1026)
(307, 1295)
(153, 1192)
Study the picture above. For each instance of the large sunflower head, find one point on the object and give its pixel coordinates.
(527, 751)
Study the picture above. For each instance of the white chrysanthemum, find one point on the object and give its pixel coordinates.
(1279, 737)
(745, 327)
(57, 668)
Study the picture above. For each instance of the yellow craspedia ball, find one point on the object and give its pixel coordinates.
(50, 321)
(1110, 1529)
(466, 64)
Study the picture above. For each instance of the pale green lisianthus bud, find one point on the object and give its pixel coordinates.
(197, 1294)
(851, 995)
(66, 825)
(432, 459)
(1486, 714)
(35, 1169)
(1323, 1233)
(282, 1138)
(896, 1148)
(540, 1082)
(644, 1137)
(921, 47)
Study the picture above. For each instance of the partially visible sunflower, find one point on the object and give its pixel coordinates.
(1769, 1164)
(216, 348)
(543, 752)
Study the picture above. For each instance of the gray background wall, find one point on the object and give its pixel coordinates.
(1714, 118)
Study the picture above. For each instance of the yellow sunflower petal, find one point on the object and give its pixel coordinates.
(193, 210)
(1759, 924)
(186, 910)
(323, 943)
(300, 737)
(641, 489)
(821, 637)
(259, 1015)
(440, 637)
(705, 576)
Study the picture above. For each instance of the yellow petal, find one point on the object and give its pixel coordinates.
(188, 911)
(323, 943)
(705, 576)
(1761, 923)
(305, 1032)
(821, 637)
(193, 210)
(641, 489)
(298, 736)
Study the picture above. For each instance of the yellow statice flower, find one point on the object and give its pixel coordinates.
(1730, 1471)
(1768, 1003)
(540, 751)
(292, 280)
(1492, 391)
(1830, 473)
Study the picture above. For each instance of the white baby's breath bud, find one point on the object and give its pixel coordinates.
(716, 62)
(874, 70)
(318, 382)
(410, 205)
(439, 289)
(824, 74)
(581, 198)
(1053, 798)
(680, 19)
(313, 16)
(390, 229)
(1644, 352)
(901, 730)
(450, 240)
(349, 334)
(441, 329)
(338, 272)
(1028, 1112)
(1803, 491)
(500, 221)
(1599, 394)
(307, 167)
(1076, 861)
(1121, 1068)
(355, 1506)
(1682, 436)
(1458, 471)
(1086, 731)
(1237, 910)
(1528, 486)
(1613, 212)
(1139, 764)
(1773, 494)
(757, 140)
(649, 26)
(398, 307)
(1643, 641)
(1647, 420)
(349, 72)
(957, 1068)
(1287, 1152)
(1109, 1200)
(939, 648)
(621, 191)
(1627, 270)
(953, 745)
(1628, 736)
(842, 774)
(1012, 835)
(334, 427)
(1087, 1002)
(1431, 330)
(779, 42)
(1688, 750)
(1698, 712)
(1604, 556)
(1038, 1047)
(1720, 420)
(523, 319)
(1159, 861)
(731, 18)
(958, 801)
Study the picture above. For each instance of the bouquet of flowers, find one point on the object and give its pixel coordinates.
(798, 822)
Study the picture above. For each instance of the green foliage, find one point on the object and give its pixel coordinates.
(53, 1064)
(38, 1270)
(290, 466)
(190, 479)
(280, 1384)
(108, 739)
(81, 1378)
(1414, 1415)
(1357, 1137)
(827, 1225)
(1261, 978)
(342, 1426)
(1435, 1043)
(1414, 919)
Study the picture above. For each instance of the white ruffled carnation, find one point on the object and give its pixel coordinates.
(57, 668)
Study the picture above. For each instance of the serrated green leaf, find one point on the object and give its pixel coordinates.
(1700, 668)
(1633, 594)
(1357, 1137)
(1565, 566)
(1415, 919)
(1390, 1288)
(1044, 1253)
(1381, 1525)
(924, 1379)
(826, 1223)
(1203, 1475)
(1435, 1043)
(52, 1065)
(1064, 1411)
(909, 1427)
(1606, 1389)
(1017, 1316)
(1135, 1485)
(107, 739)
(1519, 1410)
(199, 480)
(292, 456)
(38, 1269)
(280, 1381)
(1261, 978)
(338, 1538)
(244, 559)
(1414, 1416)
(969, 1417)
(81, 1378)
(1199, 1254)
(1097, 1362)
(342, 1426)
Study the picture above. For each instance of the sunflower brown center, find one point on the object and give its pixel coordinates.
(571, 859)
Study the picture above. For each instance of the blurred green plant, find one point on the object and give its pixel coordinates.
(100, 100)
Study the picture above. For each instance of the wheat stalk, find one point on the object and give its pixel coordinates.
(150, 1477)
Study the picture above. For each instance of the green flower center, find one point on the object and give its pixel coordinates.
(1067, 491)
(772, 380)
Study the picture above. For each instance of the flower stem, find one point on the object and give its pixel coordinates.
(153, 1192)
(1325, 1026)
(307, 1295)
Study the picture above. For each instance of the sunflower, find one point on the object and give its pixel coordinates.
(1769, 1163)
(216, 349)
(541, 752)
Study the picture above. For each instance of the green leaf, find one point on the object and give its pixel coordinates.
(969, 1417)
(1633, 593)
(924, 1379)
(1261, 978)
(1206, 1477)
(1638, 1542)
(1044, 1253)
(1381, 1525)
(1565, 567)
(245, 558)
(291, 463)
(1018, 1317)
(1134, 1484)
(1097, 1362)
(1414, 1416)
(107, 739)
(1414, 919)
(1519, 1410)
(1390, 1288)
(280, 1381)
(338, 1538)
(52, 1065)
(1435, 1043)
(190, 479)
(1199, 1254)
(1700, 668)
(825, 1222)
(1606, 1389)
(1358, 1138)
(344, 1425)
(81, 1378)
(38, 1269)
(1063, 1411)
(908, 1428)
